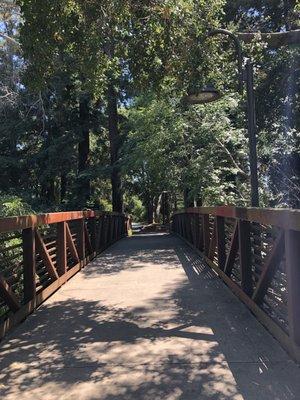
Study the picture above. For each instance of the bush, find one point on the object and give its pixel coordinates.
(13, 206)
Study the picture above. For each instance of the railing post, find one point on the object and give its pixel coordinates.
(292, 248)
(184, 225)
(61, 248)
(99, 234)
(81, 240)
(106, 230)
(187, 226)
(118, 235)
(114, 220)
(93, 228)
(28, 243)
(200, 230)
(109, 229)
(193, 229)
(220, 230)
(205, 228)
(182, 216)
(245, 256)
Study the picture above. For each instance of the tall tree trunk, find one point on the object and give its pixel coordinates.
(114, 139)
(63, 186)
(51, 197)
(188, 200)
(149, 208)
(84, 148)
(47, 192)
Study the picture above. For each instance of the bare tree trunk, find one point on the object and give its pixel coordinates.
(63, 186)
(84, 148)
(115, 142)
(150, 212)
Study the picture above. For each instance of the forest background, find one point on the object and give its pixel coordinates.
(91, 111)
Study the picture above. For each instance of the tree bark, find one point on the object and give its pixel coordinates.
(115, 142)
(84, 149)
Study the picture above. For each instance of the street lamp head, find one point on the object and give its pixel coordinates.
(205, 95)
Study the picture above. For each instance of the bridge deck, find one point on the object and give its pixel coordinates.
(146, 320)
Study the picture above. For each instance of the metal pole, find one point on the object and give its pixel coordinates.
(239, 52)
(252, 133)
(248, 79)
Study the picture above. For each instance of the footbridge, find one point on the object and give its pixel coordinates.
(208, 310)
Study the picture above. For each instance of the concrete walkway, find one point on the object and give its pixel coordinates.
(146, 320)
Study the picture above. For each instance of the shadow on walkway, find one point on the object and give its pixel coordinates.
(133, 326)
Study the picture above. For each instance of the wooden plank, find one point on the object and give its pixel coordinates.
(61, 248)
(205, 230)
(71, 244)
(213, 242)
(7, 294)
(245, 257)
(29, 263)
(273, 259)
(292, 249)
(233, 250)
(42, 250)
(220, 232)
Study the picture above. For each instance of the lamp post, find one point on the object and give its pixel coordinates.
(245, 76)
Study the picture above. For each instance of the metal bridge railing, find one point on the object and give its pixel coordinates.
(257, 253)
(39, 253)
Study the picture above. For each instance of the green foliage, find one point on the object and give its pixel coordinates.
(135, 208)
(13, 206)
(169, 148)
(151, 53)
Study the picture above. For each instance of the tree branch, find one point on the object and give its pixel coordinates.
(274, 39)
(10, 39)
(243, 173)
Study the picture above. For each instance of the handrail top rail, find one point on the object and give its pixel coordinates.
(282, 217)
(10, 224)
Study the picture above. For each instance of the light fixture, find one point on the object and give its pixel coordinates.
(205, 95)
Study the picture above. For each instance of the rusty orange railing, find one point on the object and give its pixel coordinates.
(39, 253)
(257, 253)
